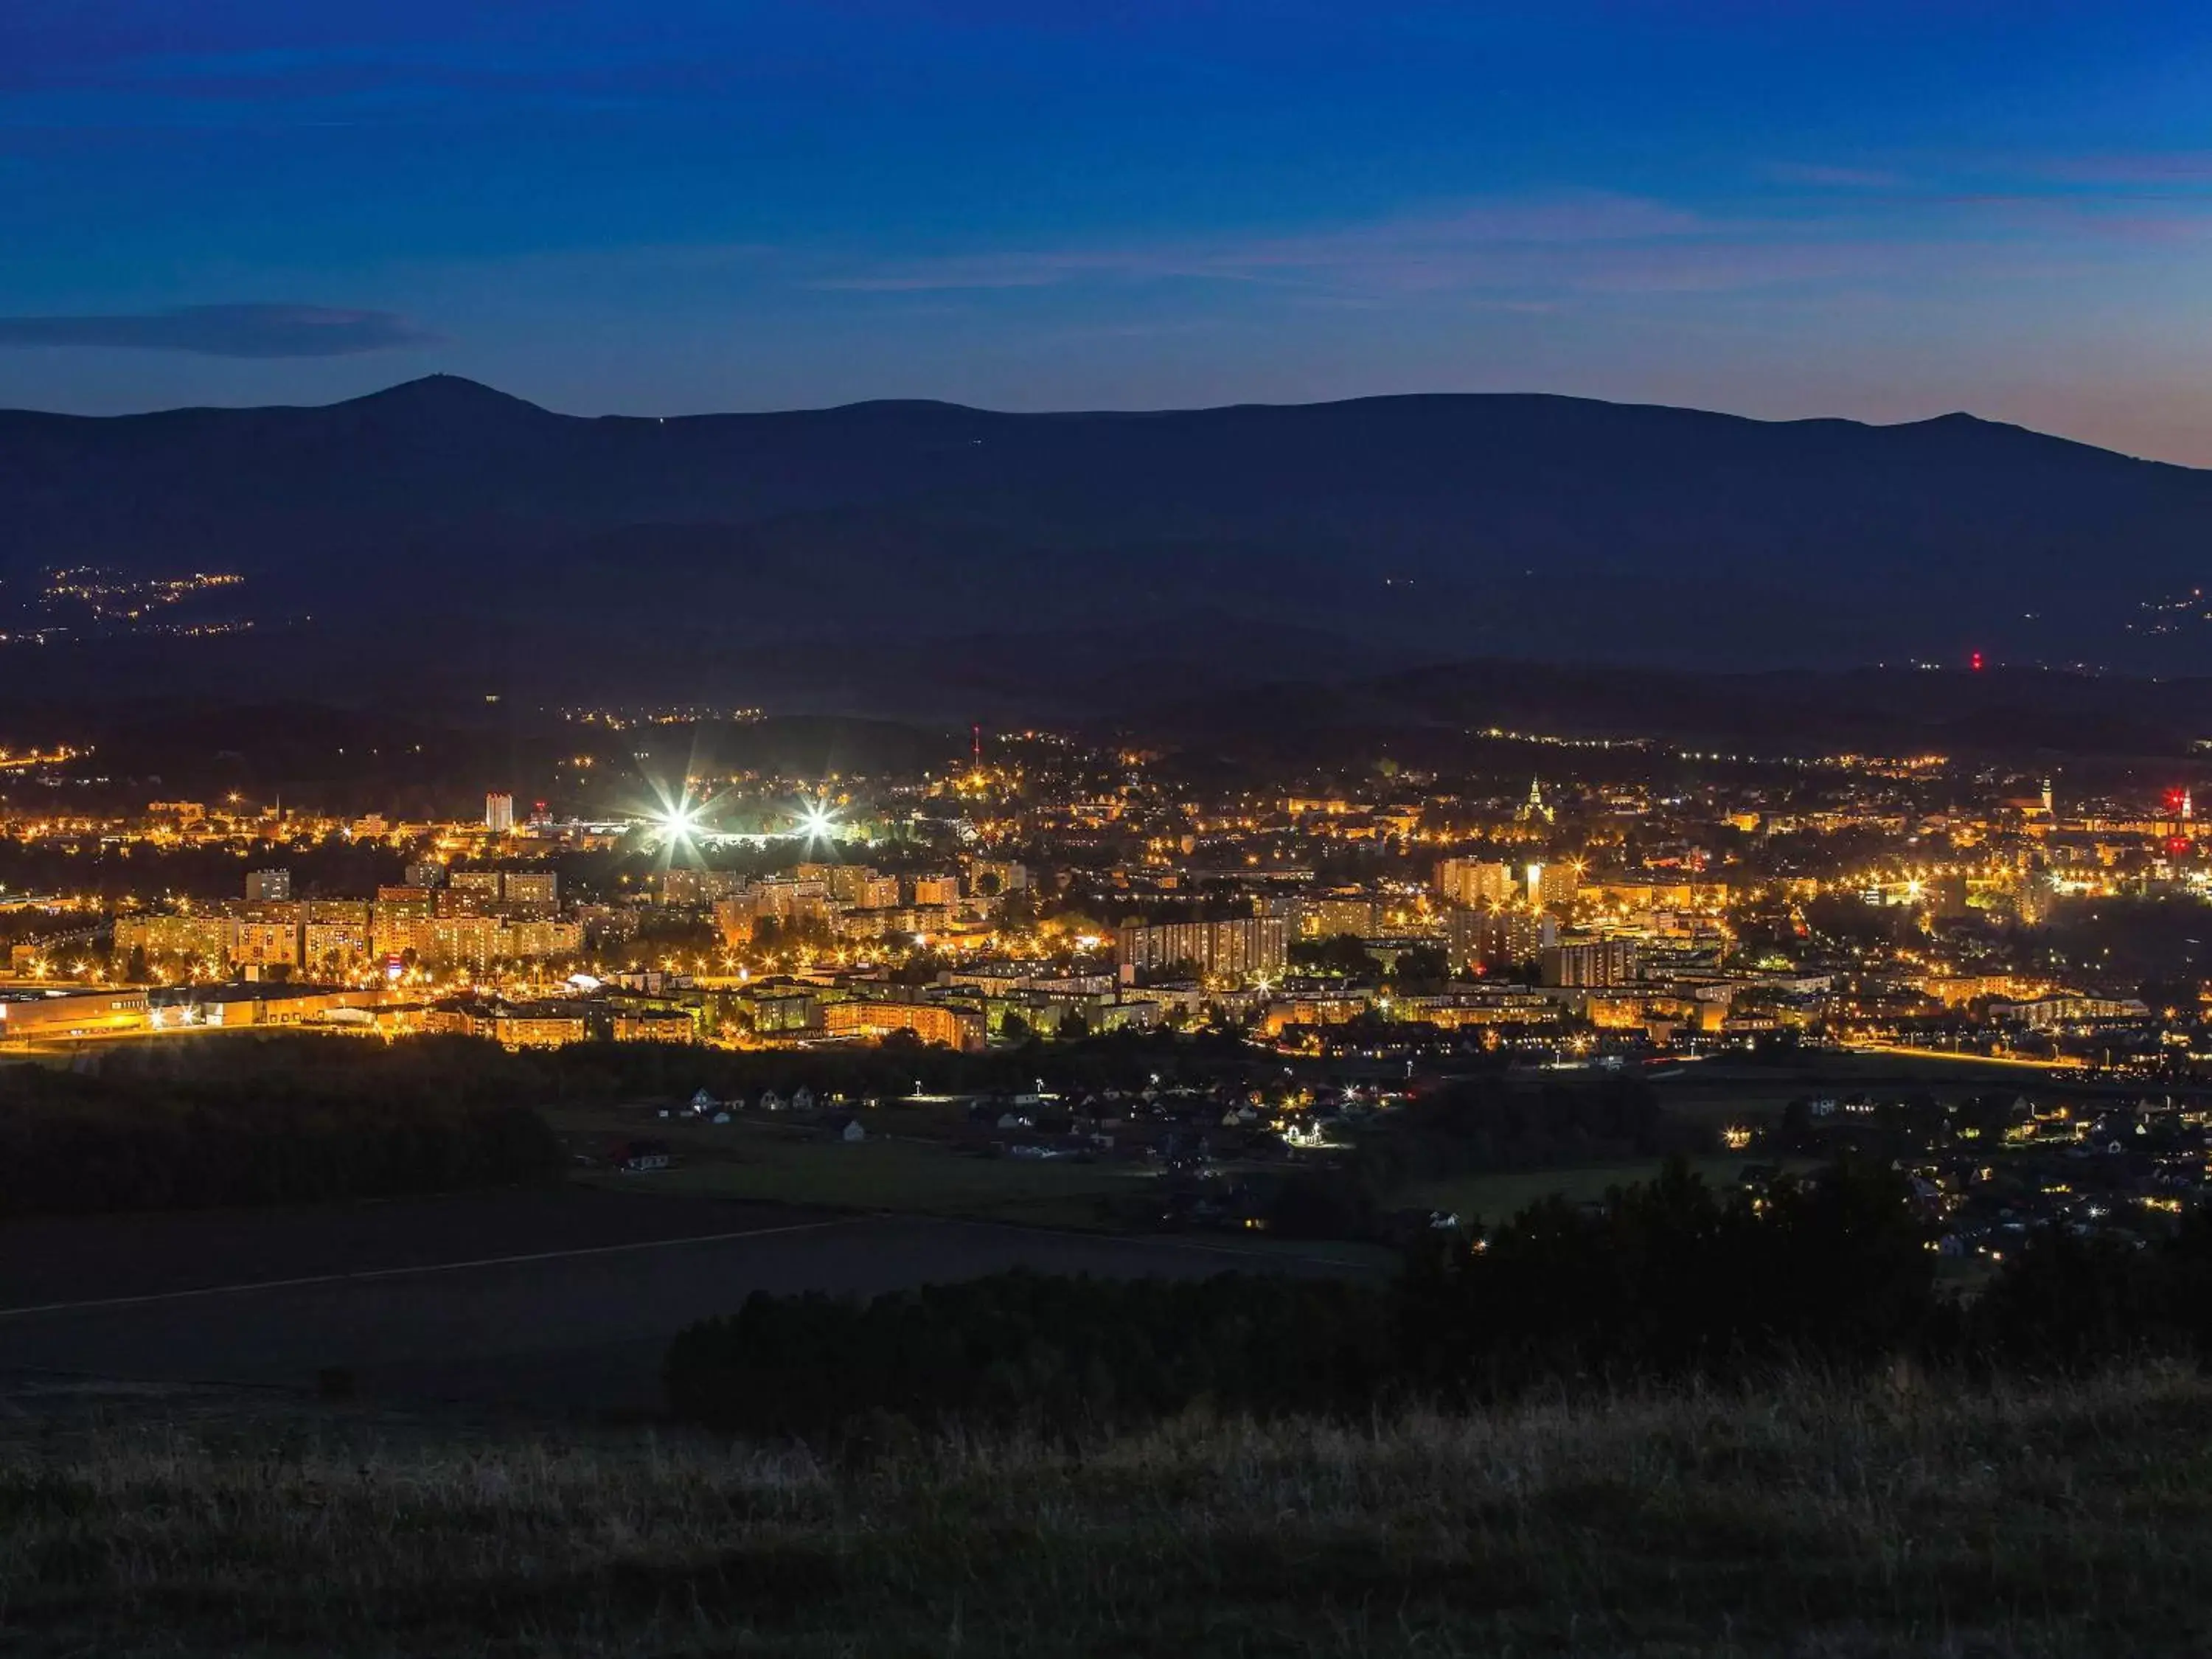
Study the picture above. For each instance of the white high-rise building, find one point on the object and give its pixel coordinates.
(268, 885)
(499, 813)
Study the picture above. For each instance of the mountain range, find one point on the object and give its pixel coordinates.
(443, 534)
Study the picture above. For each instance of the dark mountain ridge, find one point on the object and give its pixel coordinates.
(1445, 713)
(441, 517)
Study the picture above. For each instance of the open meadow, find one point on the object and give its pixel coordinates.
(1797, 1517)
(782, 1162)
(1491, 1196)
(1718, 1092)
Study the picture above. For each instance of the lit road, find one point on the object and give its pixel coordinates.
(1953, 1055)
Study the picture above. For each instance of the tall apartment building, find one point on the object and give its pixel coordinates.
(400, 915)
(912, 920)
(463, 902)
(268, 885)
(779, 899)
(788, 900)
(499, 892)
(1325, 918)
(499, 813)
(1474, 883)
(734, 920)
(205, 937)
(1592, 962)
(470, 942)
(332, 948)
(1553, 886)
(1002, 876)
(1240, 948)
(264, 943)
(956, 1028)
(936, 889)
(335, 935)
(530, 892)
(1514, 935)
(533, 940)
(698, 886)
(476, 942)
(846, 883)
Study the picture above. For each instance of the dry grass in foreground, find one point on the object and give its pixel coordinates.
(1807, 1519)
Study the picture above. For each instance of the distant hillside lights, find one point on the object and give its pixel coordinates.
(12, 762)
(90, 602)
(619, 720)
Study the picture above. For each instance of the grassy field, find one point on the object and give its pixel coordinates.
(1812, 1518)
(902, 1169)
(1496, 1195)
(780, 1163)
(1725, 1092)
(776, 1164)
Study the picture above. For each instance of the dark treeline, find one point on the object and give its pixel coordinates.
(333, 868)
(1486, 1123)
(1663, 1283)
(300, 1117)
(1477, 1124)
(1023, 1346)
(1671, 1277)
(593, 1071)
(336, 866)
(283, 1121)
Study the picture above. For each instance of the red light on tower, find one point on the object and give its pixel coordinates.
(1975, 662)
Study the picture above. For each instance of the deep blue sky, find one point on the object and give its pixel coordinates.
(1781, 207)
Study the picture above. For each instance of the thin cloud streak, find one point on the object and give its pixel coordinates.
(231, 330)
(1543, 253)
(1834, 177)
(1404, 255)
(1595, 244)
(2170, 167)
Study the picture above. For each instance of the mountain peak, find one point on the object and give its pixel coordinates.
(445, 391)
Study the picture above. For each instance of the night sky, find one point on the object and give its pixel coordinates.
(1779, 207)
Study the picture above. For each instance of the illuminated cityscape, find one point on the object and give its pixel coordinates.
(1027, 831)
(1589, 917)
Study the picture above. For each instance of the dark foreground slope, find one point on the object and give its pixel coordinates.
(527, 547)
(1801, 1517)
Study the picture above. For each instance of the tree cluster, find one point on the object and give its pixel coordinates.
(163, 1136)
(1486, 1123)
(1662, 1283)
(1024, 1349)
(1670, 1278)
